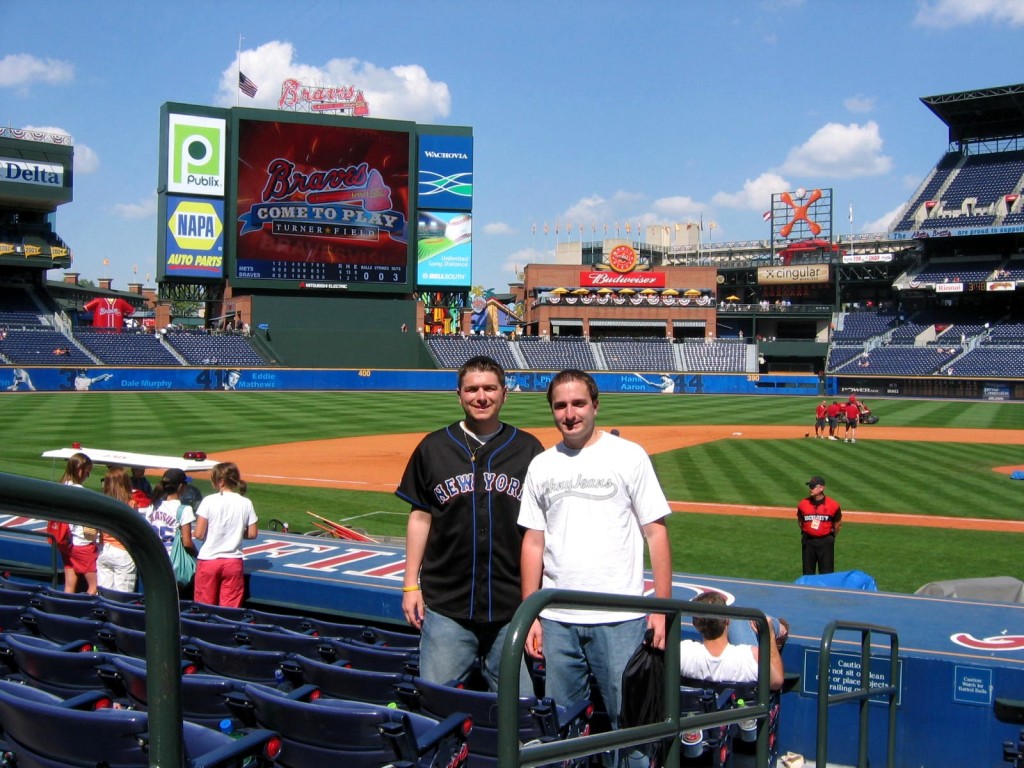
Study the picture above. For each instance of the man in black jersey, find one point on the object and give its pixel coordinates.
(464, 483)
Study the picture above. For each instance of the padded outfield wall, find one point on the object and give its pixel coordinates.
(112, 379)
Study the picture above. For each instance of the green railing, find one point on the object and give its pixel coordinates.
(512, 754)
(864, 693)
(52, 501)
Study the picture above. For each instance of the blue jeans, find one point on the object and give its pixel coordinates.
(449, 648)
(741, 633)
(572, 652)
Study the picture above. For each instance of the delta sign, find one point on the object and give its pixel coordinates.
(195, 238)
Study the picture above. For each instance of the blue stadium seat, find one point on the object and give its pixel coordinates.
(332, 733)
(44, 734)
(539, 719)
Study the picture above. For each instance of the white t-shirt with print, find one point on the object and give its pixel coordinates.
(591, 505)
(736, 664)
(163, 518)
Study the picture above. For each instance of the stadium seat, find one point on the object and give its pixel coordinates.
(331, 733)
(43, 734)
(238, 663)
(82, 608)
(539, 719)
(58, 628)
(64, 670)
(341, 681)
(377, 658)
(202, 696)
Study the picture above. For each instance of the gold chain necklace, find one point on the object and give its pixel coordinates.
(472, 451)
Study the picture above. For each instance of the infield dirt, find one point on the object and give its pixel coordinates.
(375, 463)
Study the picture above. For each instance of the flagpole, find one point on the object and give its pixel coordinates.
(238, 69)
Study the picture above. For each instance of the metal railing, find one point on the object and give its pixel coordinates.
(512, 754)
(51, 501)
(864, 693)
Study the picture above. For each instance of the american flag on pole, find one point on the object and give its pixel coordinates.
(246, 86)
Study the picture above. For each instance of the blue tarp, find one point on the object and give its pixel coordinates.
(841, 579)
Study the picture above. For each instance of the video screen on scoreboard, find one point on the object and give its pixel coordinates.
(322, 206)
(444, 248)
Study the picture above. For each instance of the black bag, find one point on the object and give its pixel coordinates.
(643, 689)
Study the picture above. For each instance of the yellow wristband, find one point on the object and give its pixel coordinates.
(413, 588)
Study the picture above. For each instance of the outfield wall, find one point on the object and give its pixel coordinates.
(110, 379)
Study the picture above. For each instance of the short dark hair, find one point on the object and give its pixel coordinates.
(573, 374)
(482, 364)
(710, 627)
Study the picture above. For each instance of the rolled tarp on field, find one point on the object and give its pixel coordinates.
(997, 589)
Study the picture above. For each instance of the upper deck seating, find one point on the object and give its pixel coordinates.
(861, 326)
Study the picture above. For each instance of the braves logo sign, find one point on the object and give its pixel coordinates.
(800, 213)
(996, 643)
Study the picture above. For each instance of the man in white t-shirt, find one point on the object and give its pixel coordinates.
(716, 660)
(589, 504)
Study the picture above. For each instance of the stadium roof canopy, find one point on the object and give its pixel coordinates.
(988, 113)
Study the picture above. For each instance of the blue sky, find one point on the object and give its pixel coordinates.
(596, 112)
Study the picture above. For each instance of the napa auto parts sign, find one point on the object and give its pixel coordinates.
(194, 245)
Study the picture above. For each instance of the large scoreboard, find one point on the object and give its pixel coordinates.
(304, 202)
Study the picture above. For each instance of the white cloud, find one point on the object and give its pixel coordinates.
(883, 222)
(511, 264)
(944, 14)
(839, 151)
(756, 194)
(86, 159)
(859, 103)
(143, 209)
(678, 207)
(403, 92)
(498, 228)
(22, 69)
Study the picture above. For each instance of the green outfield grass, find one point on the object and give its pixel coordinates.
(875, 475)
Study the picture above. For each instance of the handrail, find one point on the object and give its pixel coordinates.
(512, 754)
(863, 695)
(53, 501)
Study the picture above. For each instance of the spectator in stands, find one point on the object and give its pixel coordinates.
(718, 659)
(833, 419)
(170, 511)
(588, 505)
(140, 482)
(76, 472)
(115, 568)
(462, 582)
(224, 519)
(820, 519)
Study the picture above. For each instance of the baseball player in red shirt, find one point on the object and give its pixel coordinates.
(820, 415)
(852, 419)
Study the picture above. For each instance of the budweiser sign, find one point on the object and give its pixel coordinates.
(622, 280)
